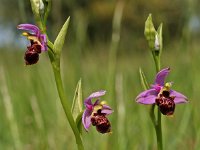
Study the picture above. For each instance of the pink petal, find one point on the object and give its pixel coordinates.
(157, 87)
(96, 102)
(147, 97)
(97, 94)
(86, 119)
(43, 40)
(179, 98)
(107, 110)
(88, 101)
(90, 106)
(160, 77)
(29, 27)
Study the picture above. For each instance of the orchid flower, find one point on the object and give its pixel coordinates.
(95, 113)
(38, 42)
(161, 94)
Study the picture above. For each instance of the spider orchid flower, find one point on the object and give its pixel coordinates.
(162, 95)
(95, 113)
(38, 42)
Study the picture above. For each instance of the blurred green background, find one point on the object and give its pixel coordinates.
(31, 116)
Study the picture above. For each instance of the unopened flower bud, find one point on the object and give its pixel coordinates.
(157, 44)
(41, 7)
(150, 32)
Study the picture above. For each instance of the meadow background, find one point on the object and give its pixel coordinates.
(31, 116)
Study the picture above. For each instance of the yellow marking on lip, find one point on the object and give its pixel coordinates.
(97, 107)
(34, 39)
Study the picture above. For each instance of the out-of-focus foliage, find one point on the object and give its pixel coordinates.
(37, 120)
(91, 20)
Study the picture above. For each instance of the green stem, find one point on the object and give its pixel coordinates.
(55, 62)
(159, 131)
(152, 115)
(49, 3)
(59, 84)
(156, 61)
(157, 124)
(66, 106)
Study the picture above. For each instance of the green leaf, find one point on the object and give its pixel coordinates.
(143, 80)
(79, 122)
(159, 31)
(76, 109)
(59, 42)
(77, 101)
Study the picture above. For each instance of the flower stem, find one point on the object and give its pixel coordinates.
(157, 123)
(156, 61)
(55, 62)
(59, 84)
(159, 131)
(66, 107)
(152, 115)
